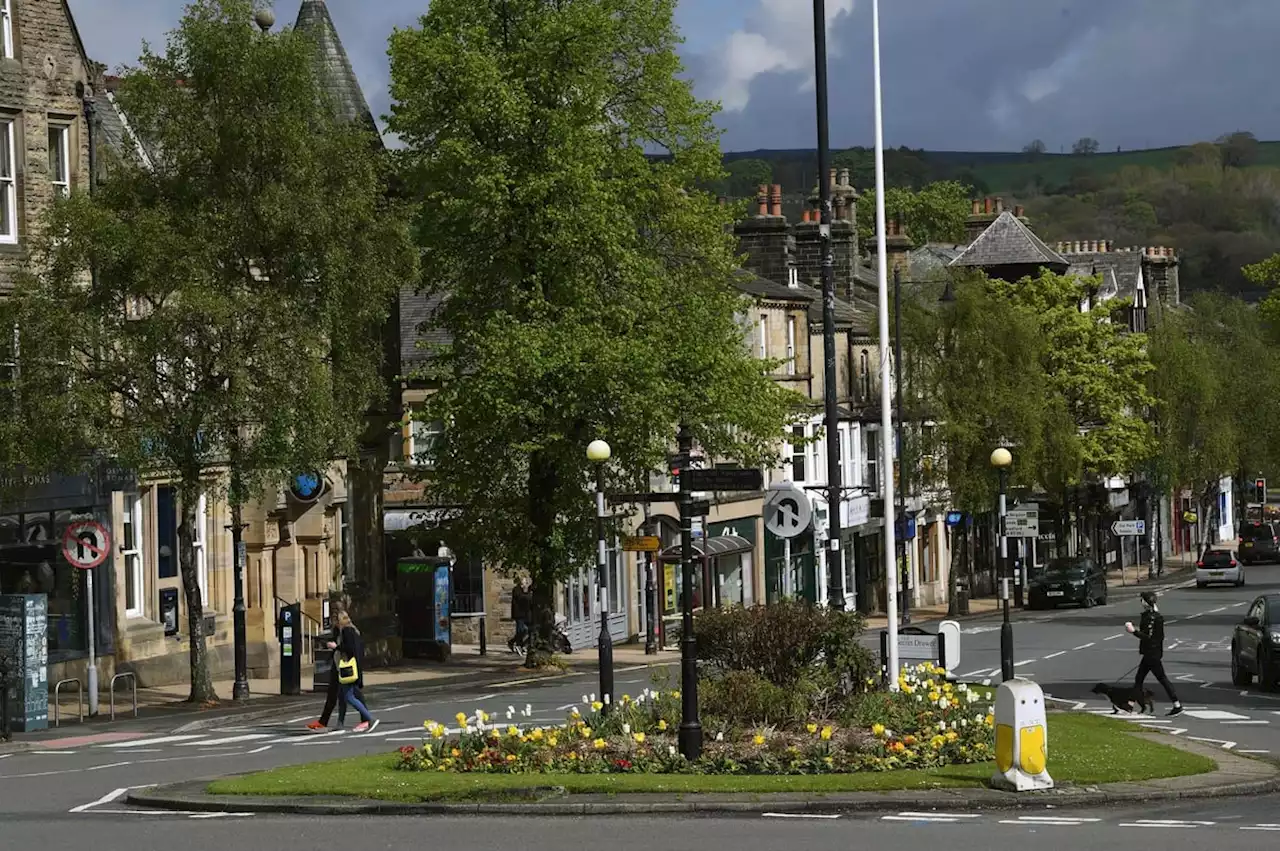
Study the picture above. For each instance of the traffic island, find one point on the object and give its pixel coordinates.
(1095, 761)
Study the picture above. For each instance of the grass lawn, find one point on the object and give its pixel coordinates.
(1083, 749)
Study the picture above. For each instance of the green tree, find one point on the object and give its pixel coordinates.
(1239, 149)
(587, 283)
(1085, 146)
(935, 213)
(1035, 148)
(241, 272)
(745, 177)
(1095, 366)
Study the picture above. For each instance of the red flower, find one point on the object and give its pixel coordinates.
(622, 764)
(407, 750)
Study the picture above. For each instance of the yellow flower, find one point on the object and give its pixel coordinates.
(829, 761)
(597, 705)
(440, 768)
(639, 737)
(575, 714)
(938, 742)
(990, 719)
(934, 695)
(826, 733)
(455, 752)
(952, 735)
(484, 716)
(626, 698)
(811, 727)
(461, 718)
(599, 744)
(586, 732)
(573, 755)
(513, 732)
(511, 757)
(759, 739)
(429, 724)
(675, 694)
(551, 740)
(536, 735)
(877, 730)
(438, 732)
(662, 723)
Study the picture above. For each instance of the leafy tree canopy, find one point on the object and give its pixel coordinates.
(935, 213)
(587, 284)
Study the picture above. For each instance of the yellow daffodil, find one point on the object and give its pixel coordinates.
(662, 723)
(952, 735)
(759, 739)
(511, 757)
(934, 695)
(990, 719)
(828, 761)
(455, 752)
(537, 734)
(826, 733)
(551, 741)
(575, 714)
(461, 718)
(599, 744)
(513, 732)
(429, 724)
(597, 705)
(639, 737)
(586, 732)
(811, 727)
(877, 730)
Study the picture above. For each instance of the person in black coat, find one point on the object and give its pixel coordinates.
(1150, 635)
(332, 691)
(350, 646)
(521, 613)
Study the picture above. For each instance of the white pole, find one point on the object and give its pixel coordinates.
(92, 687)
(886, 395)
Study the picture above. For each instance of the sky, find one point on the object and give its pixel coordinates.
(979, 75)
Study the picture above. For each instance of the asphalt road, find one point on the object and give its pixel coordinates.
(73, 789)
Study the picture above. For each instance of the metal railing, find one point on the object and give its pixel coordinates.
(57, 700)
(133, 681)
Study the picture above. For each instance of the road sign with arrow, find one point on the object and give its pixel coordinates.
(1129, 527)
(787, 510)
(86, 544)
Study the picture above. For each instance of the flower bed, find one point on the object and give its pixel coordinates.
(927, 723)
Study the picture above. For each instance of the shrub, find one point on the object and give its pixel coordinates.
(785, 642)
(737, 700)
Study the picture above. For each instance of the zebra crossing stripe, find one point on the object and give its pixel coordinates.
(207, 743)
(163, 740)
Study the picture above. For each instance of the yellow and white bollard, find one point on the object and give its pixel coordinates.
(1022, 738)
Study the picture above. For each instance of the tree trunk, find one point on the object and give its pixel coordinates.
(543, 487)
(953, 575)
(201, 683)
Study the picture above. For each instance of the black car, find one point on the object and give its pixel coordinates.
(1259, 542)
(1255, 644)
(1076, 581)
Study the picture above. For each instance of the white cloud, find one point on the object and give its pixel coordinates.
(776, 38)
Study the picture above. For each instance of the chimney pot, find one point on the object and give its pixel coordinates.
(987, 205)
(831, 178)
(844, 177)
(775, 200)
(977, 207)
(999, 205)
(1018, 211)
(1075, 247)
(762, 200)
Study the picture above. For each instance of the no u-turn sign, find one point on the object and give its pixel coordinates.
(86, 544)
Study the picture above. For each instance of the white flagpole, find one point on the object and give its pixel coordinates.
(886, 394)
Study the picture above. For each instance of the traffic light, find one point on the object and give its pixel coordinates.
(1260, 491)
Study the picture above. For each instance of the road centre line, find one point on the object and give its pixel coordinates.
(1056, 655)
(1084, 646)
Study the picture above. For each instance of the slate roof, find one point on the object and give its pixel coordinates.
(754, 285)
(1008, 242)
(417, 310)
(1120, 270)
(332, 65)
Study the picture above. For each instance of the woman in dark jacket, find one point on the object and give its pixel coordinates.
(350, 646)
(332, 691)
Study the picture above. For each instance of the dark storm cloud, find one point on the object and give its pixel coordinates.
(994, 74)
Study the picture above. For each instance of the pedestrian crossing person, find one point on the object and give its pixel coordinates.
(1150, 635)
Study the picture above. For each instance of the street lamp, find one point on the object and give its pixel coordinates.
(598, 453)
(1002, 460)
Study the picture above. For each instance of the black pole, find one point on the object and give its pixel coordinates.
(240, 688)
(1160, 533)
(605, 642)
(690, 726)
(1006, 628)
(835, 564)
(904, 587)
(650, 597)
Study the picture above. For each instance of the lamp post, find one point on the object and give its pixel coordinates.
(598, 453)
(1002, 459)
(831, 411)
(690, 736)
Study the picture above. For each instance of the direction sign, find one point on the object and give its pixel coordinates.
(86, 544)
(1022, 522)
(787, 510)
(1129, 527)
(700, 508)
(722, 479)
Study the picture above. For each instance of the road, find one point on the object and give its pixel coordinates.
(74, 787)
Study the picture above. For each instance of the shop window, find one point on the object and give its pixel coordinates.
(131, 549)
(200, 553)
(424, 439)
(799, 455)
(166, 532)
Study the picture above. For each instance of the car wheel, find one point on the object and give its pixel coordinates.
(1201, 584)
(1239, 676)
(1088, 601)
(1240, 581)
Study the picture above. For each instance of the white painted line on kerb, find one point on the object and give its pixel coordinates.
(5, 755)
(978, 673)
(1063, 820)
(1148, 824)
(1085, 646)
(1272, 827)
(569, 706)
(1250, 721)
(1219, 609)
(802, 815)
(396, 708)
(1252, 751)
(1114, 637)
(163, 740)
(1056, 655)
(299, 719)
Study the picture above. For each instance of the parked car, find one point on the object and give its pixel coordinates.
(1077, 581)
(1259, 542)
(1255, 644)
(1219, 567)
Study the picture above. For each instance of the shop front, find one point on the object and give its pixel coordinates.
(719, 565)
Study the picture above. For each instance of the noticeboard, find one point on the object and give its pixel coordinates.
(24, 647)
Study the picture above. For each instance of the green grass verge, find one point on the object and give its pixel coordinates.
(1083, 749)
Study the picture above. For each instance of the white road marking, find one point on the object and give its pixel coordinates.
(287, 739)
(56, 753)
(487, 696)
(1023, 662)
(1062, 820)
(801, 815)
(397, 708)
(259, 750)
(1242, 750)
(1084, 646)
(1149, 824)
(299, 719)
(1248, 721)
(5, 755)
(915, 814)
(1273, 827)
(109, 765)
(249, 737)
(105, 799)
(1056, 655)
(1114, 637)
(940, 819)
(163, 740)
(1226, 746)
(1238, 605)
(144, 750)
(569, 706)
(1214, 715)
(1215, 611)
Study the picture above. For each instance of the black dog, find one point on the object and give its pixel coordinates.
(1124, 697)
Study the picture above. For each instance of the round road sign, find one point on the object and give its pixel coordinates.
(787, 510)
(86, 544)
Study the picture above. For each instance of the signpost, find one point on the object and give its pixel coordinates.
(787, 510)
(86, 544)
(1124, 528)
(1022, 522)
(722, 479)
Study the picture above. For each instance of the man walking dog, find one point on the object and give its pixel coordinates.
(1150, 635)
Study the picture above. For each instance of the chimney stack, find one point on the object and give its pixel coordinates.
(775, 200)
(987, 206)
(1019, 211)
